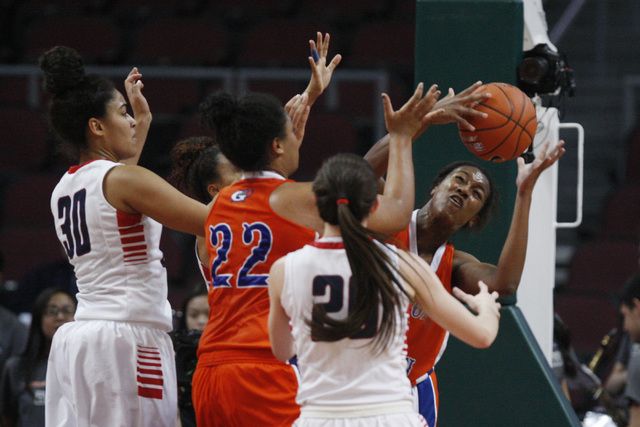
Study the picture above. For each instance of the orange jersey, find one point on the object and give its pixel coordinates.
(426, 340)
(244, 238)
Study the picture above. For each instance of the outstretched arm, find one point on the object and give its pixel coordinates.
(452, 108)
(321, 71)
(476, 330)
(505, 277)
(279, 331)
(396, 203)
(140, 109)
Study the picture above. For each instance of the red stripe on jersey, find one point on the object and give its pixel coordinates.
(133, 239)
(149, 371)
(137, 248)
(328, 245)
(74, 169)
(149, 364)
(151, 351)
(131, 230)
(126, 220)
(148, 357)
(153, 393)
(147, 348)
(150, 381)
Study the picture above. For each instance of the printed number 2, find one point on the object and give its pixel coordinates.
(334, 286)
(74, 226)
(222, 237)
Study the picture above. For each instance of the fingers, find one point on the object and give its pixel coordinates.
(334, 62)
(299, 106)
(386, 103)
(471, 88)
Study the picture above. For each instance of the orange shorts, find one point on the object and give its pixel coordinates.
(245, 394)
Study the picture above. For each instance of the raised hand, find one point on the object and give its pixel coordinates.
(483, 301)
(457, 108)
(133, 86)
(321, 72)
(414, 113)
(528, 173)
(298, 109)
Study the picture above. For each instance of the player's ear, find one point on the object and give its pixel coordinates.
(473, 221)
(95, 126)
(277, 146)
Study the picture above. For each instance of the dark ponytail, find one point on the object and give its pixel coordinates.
(77, 97)
(196, 162)
(346, 190)
(245, 127)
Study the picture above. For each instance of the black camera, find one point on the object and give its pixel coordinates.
(186, 347)
(544, 72)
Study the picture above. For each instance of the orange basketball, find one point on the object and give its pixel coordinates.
(508, 130)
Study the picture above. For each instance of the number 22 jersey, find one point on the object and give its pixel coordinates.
(244, 238)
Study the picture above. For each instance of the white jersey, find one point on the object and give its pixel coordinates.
(345, 372)
(116, 256)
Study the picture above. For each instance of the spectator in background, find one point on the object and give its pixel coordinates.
(13, 334)
(195, 312)
(22, 390)
(630, 309)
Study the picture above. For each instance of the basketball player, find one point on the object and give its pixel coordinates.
(114, 365)
(463, 196)
(346, 297)
(201, 171)
(252, 223)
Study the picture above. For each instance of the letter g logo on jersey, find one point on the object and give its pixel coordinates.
(240, 196)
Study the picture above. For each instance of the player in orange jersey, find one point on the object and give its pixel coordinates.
(255, 221)
(463, 196)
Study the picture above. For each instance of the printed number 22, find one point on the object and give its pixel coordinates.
(334, 286)
(221, 237)
(74, 226)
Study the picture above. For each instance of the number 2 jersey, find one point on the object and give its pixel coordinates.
(348, 371)
(244, 238)
(115, 255)
(426, 340)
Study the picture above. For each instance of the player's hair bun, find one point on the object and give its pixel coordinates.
(63, 69)
(218, 108)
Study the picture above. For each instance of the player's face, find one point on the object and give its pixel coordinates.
(59, 310)
(120, 129)
(631, 316)
(197, 313)
(291, 145)
(461, 195)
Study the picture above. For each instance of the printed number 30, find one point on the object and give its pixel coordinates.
(74, 226)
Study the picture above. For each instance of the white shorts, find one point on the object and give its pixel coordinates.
(395, 414)
(107, 373)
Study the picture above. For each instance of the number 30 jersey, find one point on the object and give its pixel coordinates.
(244, 238)
(348, 371)
(115, 255)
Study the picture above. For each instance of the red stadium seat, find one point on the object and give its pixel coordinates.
(23, 139)
(326, 134)
(588, 317)
(171, 96)
(383, 44)
(96, 38)
(281, 43)
(181, 41)
(603, 265)
(28, 247)
(621, 213)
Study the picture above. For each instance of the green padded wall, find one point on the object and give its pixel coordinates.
(510, 384)
(457, 44)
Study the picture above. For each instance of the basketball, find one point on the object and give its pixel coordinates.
(508, 130)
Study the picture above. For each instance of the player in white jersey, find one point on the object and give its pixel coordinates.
(340, 305)
(113, 366)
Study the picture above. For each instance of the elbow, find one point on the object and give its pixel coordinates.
(281, 355)
(486, 338)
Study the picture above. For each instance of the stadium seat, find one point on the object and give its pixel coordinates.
(603, 265)
(281, 43)
(326, 134)
(383, 44)
(588, 317)
(27, 247)
(341, 11)
(181, 41)
(96, 38)
(23, 139)
(621, 213)
(27, 201)
(171, 96)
